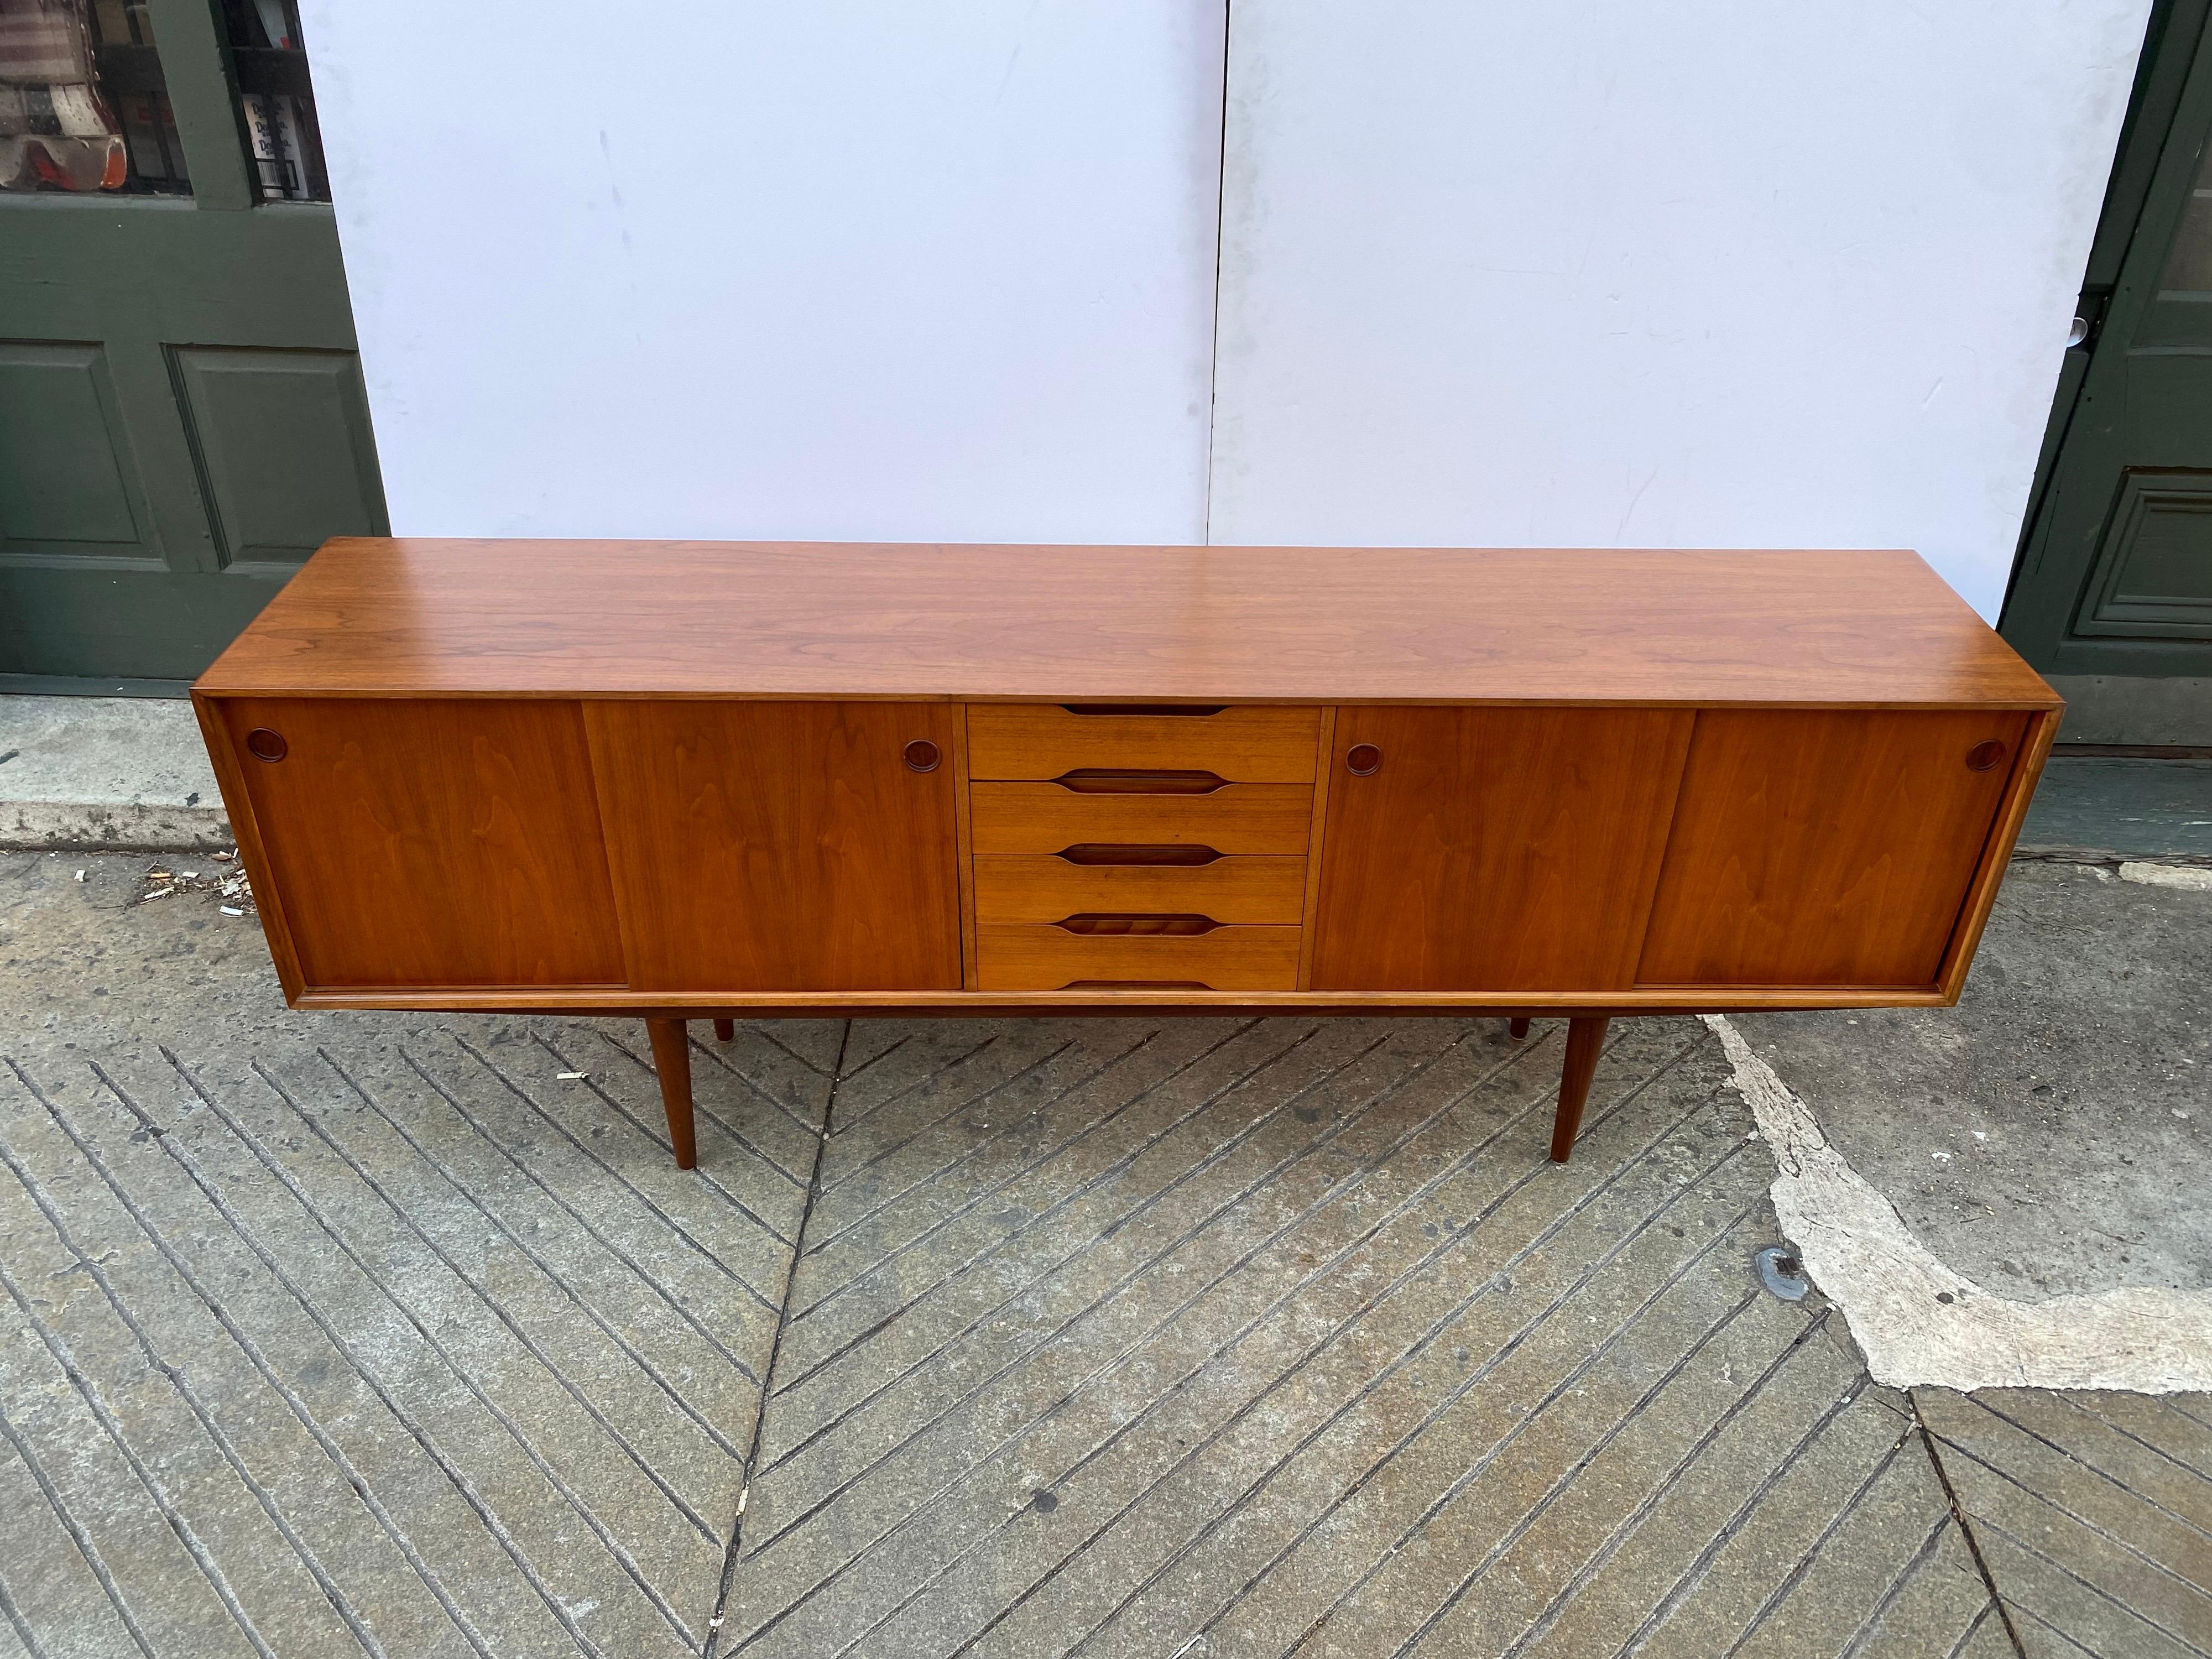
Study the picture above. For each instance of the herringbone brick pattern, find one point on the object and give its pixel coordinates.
(413, 1347)
(1269, 1337)
(402, 1334)
(2093, 1511)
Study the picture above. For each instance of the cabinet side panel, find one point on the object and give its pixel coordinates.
(1826, 847)
(782, 846)
(237, 802)
(1974, 916)
(1493, 849)
(451, 841)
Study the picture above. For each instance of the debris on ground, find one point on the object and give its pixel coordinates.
(230, 887)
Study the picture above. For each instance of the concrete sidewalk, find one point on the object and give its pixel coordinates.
(395, 1333)
(105, 772)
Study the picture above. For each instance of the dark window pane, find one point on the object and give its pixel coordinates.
(82, 103)
(275, 100)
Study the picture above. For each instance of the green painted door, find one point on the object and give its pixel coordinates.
(2114, 582)
(182, 419)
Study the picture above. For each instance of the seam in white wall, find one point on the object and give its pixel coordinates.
(1220, 220)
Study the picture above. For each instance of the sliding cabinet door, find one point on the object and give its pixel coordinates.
(1493, 849)
(1826, 848)
(450, 841)
(782, 846)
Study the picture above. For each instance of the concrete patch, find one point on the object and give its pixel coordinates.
(1920, 1322)
(2051, 1135)
(2188, 879)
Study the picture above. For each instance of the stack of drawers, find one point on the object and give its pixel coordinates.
(1139, 846)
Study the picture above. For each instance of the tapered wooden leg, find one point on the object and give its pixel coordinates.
(1517, 1029)
(671, 1060)
(725, 1030)
(1585, 1037)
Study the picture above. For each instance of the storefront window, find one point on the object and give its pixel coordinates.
(275, 100)
(83, 106)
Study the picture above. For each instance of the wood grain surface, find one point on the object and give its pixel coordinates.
(429, 843)
(1045, 740)
(1018, 959)
(759, 845)
(1247, 890)
(1496, 849)
(1324, 772)
(1824, 849)
(1043, 817)
(1997, 856)
(1138, 625)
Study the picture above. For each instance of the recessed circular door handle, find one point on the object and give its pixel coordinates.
(262, 743)
(1363, 760)
(1983, 755)
(922, 755)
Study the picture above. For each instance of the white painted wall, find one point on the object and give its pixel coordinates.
(843, 269)
(1719, 273)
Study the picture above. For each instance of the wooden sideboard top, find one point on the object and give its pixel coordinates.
(372, 616)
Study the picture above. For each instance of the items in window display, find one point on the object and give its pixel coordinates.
(57, 132)
(276, 101)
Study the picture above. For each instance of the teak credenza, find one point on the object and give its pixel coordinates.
(682, 779)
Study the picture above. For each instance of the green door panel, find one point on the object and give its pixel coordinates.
(68, 486)
(69, 621)
(285, 453)
(182, 416)
(2152, 577)
(2115, 575)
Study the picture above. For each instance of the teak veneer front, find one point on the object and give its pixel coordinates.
(684, 779)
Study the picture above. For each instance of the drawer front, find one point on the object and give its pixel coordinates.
(1240, 820)
(1043, 817)
(1046, 889)
(1014, 958)
(1047, 740)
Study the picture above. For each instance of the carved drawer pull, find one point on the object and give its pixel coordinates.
(1108, 780)
(1363, 760)
(264, 745)
(1194, 711)
(1092, 923)
(1107, 851)
(922, 755)
(1136, 985)
(1984, 756)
